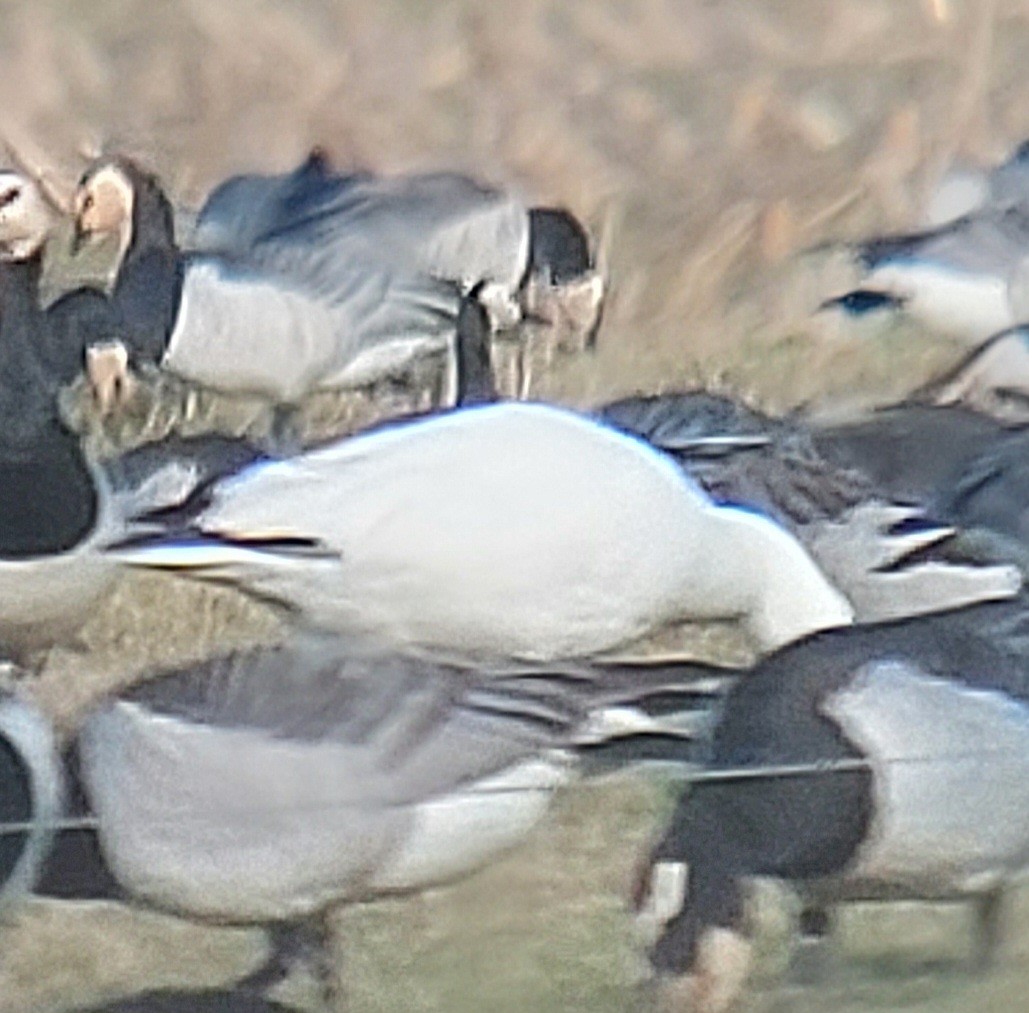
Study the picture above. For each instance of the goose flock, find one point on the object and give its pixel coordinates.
(463, 587)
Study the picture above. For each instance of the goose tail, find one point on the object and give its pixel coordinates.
(653, 713)
(628, 714)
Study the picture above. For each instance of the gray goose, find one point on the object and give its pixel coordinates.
(880, 534)
(268, 786)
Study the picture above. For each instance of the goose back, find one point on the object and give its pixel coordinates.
(148, 286)
(296, 776)
(518, 530)
(441, 224)
(912, 450)
(743, 456)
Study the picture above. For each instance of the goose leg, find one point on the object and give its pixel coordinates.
(812, 951)
(304, 944)
(989, 909)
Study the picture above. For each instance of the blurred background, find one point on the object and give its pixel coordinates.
(720, 149)
(712, 141)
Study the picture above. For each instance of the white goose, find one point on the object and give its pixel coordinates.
(516, 530)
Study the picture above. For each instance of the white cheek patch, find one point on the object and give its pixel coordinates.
(664, 900)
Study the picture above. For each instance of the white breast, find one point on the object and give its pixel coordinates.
(461, 831)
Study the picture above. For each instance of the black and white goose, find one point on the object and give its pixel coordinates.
(443, 224)
(268, 786)
(927, 721)
(56, 507)
(881, 544)
(512, 530)
(235, 325)
(967, 279)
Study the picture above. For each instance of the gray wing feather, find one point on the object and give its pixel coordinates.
(991, 241)
(441, 224)
(418, 722)
(243, 329)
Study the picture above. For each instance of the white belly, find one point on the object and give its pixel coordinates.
(231, 824)
(457, 833)
(951, 769)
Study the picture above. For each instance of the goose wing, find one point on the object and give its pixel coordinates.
(988, 242)
(443, 224)
(239, 327)
(269, 782)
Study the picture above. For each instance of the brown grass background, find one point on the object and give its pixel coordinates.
(710, 145)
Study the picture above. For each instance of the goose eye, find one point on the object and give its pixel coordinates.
(87, 202)
(9, 196)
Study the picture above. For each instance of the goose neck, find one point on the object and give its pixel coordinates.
(151, 226)
(772, 584)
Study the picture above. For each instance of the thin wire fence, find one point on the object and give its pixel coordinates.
(711, 775)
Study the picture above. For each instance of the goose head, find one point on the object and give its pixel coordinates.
(116, 197)
(25, 217)
(105, 201)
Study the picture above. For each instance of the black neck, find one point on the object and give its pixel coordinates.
(15, 806)
(47, 499)
(153, 221)
(149, 284)
(474, 366)
(20, 317)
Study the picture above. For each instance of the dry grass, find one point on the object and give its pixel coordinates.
(712, 142)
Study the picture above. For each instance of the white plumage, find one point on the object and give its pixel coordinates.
(511, 530)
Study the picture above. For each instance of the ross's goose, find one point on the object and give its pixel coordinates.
(514, 530)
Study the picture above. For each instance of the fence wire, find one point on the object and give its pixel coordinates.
(709, 775)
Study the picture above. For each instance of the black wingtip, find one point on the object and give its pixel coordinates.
(862, 301)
